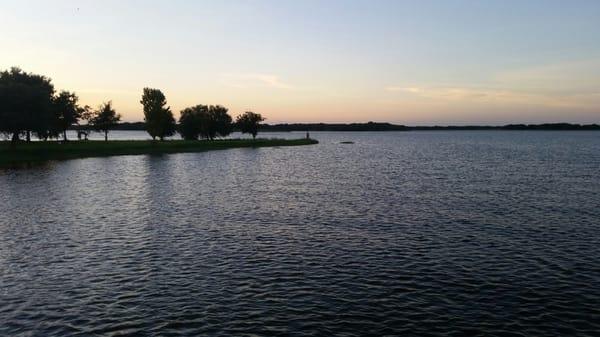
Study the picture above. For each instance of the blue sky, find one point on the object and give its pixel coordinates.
(410, 62)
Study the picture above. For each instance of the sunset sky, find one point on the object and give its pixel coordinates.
(407, 62)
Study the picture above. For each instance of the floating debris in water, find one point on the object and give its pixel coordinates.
(347, 142)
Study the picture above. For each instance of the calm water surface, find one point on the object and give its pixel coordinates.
(438, 233)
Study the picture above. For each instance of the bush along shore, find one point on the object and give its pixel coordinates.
(34, 152)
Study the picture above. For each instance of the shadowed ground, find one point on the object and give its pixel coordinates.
(54, 150)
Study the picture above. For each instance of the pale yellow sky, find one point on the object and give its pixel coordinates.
(337, 61)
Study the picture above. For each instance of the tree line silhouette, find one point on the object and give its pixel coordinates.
(29, 105)
(378, 126)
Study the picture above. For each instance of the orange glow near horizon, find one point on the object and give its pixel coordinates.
(405, 63)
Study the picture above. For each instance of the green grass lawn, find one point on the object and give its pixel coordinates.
(54, 150)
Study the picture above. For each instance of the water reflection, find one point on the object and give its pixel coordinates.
(399, 233)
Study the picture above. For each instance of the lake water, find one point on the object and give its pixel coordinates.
(401, 233)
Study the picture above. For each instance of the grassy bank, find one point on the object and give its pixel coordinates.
(53, 150)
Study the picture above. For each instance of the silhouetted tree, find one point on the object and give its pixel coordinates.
(105, 118)
(87, 114)
(192, 122)
(248, 122)
(51, 131)
(25, 103)
(159, 119)
(206, 122)
(66, 112)
(219, 122)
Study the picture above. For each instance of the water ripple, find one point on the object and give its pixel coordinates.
(445, 234)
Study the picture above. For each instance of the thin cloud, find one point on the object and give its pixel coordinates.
(413, 90)
(484, 95)
(247, 80)
(554, 73)
(568, 85)
(108, 91)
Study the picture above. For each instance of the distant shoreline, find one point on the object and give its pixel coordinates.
(373, 126)
(394, 127)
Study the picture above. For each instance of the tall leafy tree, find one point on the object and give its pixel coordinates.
(87, 115)
(67, 112)
(220, 122)
(157, 115)
(248, 122)
(192, 122)
(25, 103)
(206, 122)
(105, 118)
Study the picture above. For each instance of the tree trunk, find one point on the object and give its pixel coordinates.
(254, 136)
(105, 135)
(65, 135)
(28, 136)
(14, 140)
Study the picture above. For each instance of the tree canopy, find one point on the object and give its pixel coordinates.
(206, 122)
(248, 122)
(191, 121)
(219, 122)
(157, 116)
(105, 118)
(67, 112)
(25, 103)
